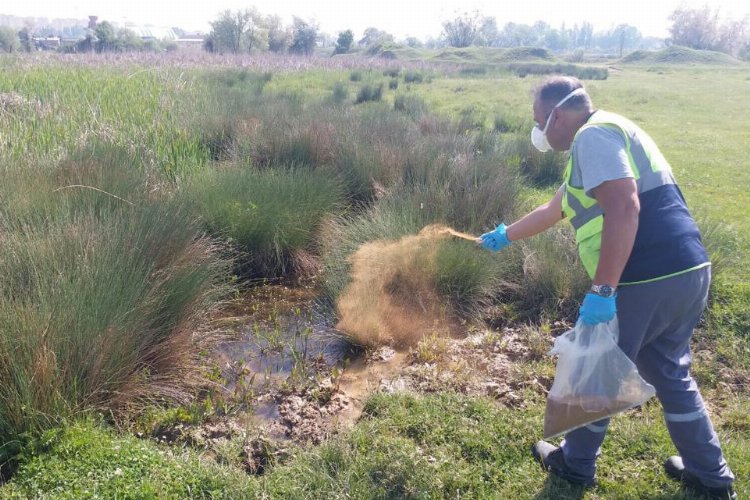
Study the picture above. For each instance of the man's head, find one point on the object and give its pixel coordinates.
(561, 106)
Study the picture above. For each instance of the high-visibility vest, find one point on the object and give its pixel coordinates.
(651, 171)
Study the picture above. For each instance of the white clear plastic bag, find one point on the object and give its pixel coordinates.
(594, 379)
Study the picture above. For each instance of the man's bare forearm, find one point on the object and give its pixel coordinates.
(540, 219)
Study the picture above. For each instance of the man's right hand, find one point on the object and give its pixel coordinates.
(495, 240)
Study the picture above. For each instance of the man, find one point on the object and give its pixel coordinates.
(642, 249)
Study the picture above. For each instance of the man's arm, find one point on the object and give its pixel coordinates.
(540, 219)
(619, 200)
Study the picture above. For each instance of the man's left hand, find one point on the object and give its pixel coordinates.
(597, 309)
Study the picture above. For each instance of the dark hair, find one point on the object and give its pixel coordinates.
(553, 89)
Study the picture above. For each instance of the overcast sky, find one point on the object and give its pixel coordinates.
(420, 18)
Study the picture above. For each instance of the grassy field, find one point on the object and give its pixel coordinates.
(136, 197)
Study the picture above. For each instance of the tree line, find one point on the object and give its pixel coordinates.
(244, 31)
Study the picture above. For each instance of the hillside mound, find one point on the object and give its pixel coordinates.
(518, 54)
(680, 55)
(494, 55)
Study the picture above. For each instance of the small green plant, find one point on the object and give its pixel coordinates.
(355, 76)
(393, 84)
(369, 93)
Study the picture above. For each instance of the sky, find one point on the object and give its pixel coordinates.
(402, 18)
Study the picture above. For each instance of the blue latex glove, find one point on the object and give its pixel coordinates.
(597, 309)
(495, 240)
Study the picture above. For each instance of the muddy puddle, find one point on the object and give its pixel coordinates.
(284, 346)
(302, 381)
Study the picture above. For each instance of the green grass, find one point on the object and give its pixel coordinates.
(268, 214)
(60, 108)
(682, 56)
(405, 446)
(85, 460)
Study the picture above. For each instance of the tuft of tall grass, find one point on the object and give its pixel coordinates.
(340, 93)
(414, 106)
(267, 214)
(468, 196)
(369, 92)
(540, 169)
(412, 76)
(102, 294)
(551, 281)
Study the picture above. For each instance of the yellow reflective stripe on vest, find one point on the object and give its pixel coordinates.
(649, 168)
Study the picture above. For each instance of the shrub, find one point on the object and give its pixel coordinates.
(582, 72)
(340, 93)
(355, 76)
(412, 76)
(412, 105)
(369, 93)
(393, 84)
(103, 289)
(267, 214)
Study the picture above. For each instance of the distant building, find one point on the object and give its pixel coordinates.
(47, 42)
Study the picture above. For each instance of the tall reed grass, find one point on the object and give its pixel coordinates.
(269, 215)
(102, 294)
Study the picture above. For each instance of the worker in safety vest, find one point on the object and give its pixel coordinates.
(643, 252)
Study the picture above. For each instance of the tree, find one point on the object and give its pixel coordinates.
(238, 31)
(585, 35)
(105, 37)
(128, 40)
(26, 43)
(304, 36)
(626, 36)
(695, 28)
(734, 36)
(373, 36)
(344, 42)
(413, 42)
(9, 41)
(279, 37)
(487, 34)
(518, 35)
(461, 31)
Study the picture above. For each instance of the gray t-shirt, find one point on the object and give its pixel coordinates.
(599, 155)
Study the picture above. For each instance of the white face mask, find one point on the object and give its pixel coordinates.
(538, 136)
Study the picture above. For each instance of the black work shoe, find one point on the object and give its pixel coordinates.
(676, 470)
(551, 458)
